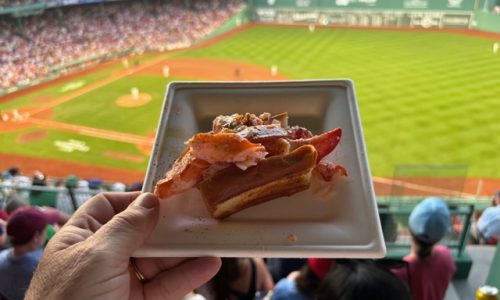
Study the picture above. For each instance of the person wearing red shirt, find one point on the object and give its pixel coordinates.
(431, 266)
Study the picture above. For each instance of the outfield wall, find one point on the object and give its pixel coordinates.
(487, 21)
(374, 13)
(240, 18)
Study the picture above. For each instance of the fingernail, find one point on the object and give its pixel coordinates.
(147, 200)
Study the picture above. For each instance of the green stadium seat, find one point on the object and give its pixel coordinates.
(44, 198)
(494, 275)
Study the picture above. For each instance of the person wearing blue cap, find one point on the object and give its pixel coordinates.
(487, 228)
(431, 266)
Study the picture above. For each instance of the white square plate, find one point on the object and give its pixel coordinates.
(342, 225)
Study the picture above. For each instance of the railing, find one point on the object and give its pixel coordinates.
(32, 8)
(66, 199)
(22, 10)
(394, 219)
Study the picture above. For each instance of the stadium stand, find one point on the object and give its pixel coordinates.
(92, 33)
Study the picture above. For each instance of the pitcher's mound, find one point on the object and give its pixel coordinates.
(129, 101)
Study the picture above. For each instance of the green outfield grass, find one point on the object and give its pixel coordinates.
(105, 114)
(96, 154)
(58, 90)
(425, 97)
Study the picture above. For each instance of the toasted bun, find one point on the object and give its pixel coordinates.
(232, 189)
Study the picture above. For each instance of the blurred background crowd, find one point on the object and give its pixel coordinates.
(27, 50)
(34, 207)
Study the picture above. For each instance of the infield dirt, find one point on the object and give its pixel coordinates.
(196, 69)
(41, 115)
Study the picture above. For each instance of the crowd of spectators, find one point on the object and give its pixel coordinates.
(238, 278)
(67, 34)
(11, 3)
(424, 273)
(65, 194)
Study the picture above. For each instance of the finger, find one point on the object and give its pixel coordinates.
(178, 281)
(99, 209)
(128, 230)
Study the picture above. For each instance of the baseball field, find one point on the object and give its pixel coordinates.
(425, 97)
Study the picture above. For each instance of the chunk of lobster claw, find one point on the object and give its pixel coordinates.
(324, 143)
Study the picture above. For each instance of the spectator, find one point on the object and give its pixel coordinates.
(6, 176)
(134, 187)
(92, 32)
(239, 279)
(82, 192)
(118, 187)
(487, 229)
(15, 201)
(13, 178)
(431, 266)
(3, 226)
(55, 218)
(353, 279)
(93, 184)
(302, 284)
(3, 214)
(282, 267)
(14, 171)
(42, 198)
(26, 231)
(18, 178)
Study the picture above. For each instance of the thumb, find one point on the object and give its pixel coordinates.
(128, 230)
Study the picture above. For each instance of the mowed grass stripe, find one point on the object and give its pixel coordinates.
(93, 152)
(425, 97)
(57, 90)
(100, 106)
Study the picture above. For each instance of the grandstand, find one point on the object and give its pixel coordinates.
(426, 74)
(88, 33)
(92, 33)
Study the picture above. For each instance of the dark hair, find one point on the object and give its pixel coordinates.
(15, 201)
(228, 273)
(494, 200)
(14, 171)
(361, 279)
(38, 179)
(424, 249)
(136, 186)
(307, 282)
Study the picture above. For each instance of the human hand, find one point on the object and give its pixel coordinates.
(89, 257)
(3, 232)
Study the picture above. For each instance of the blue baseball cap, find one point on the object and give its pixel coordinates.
(430, 220)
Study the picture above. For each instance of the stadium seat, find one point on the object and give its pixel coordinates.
(44, 198)
(494, 275)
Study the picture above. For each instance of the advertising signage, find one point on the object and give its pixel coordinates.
(464, 5)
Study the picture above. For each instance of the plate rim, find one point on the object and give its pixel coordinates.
(374, 249)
